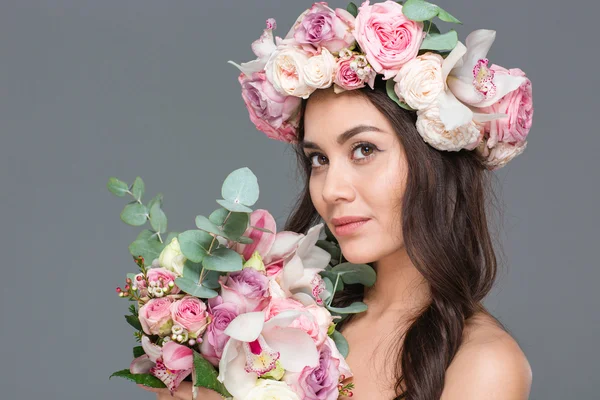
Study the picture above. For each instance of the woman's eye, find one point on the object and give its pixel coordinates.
(366, 152)
(362, 147)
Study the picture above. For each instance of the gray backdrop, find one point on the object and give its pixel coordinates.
(92, 89)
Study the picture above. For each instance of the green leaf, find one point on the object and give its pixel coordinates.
(158, 219)
(206, 225)
(352, 9)
(194, 244)
(117, 187)
(236, 225)
(354, 308)
(329, 234)
(446, 17)
(134, 321)
(146, 245)
(143, 379)
(332, 277)
(224, 260)
(240, 187)
(211, 280)
(157, 199)
(389, 86)
(138, 351)
(355, 273)
(134, 214)
(205, 375)
(138, 188)
(218, 216)
(231, 206)
(328, 284)
(430, 27)
(341, 343)
(419, 10)
(191, 270)
(440, 42)
(244, 240)
(170, 237)
(331, 248)
(261, 229)
(192, 288)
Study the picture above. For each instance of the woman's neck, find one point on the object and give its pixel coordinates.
(399, 287)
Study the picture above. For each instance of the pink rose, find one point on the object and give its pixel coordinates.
(518, 105)
(190, 313)
(316, 323)
(272, 113)
(155, 316)
(248, 289)
(215, 339)
(352, 73)
(322, 26)
(162, 277)
(388, 38)
(501, 154)
(320, 382)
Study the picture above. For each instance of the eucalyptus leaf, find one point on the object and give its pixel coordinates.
(328, 285)
(446, 17)
(329, 235)
(211, 280)
(146, 245)
(138, 351)
(134, 214)
(354, 308)
(341, 343)
(192, 270)
(430, 27)
(331, 248)
(134, 321)
(138, 188)
(218, 216)
(117, 187)
(244, 240)
(261, 229)
(205, 375)
(157, 199)
(224, 260)
(389, 86)
(419, 10)
(355, 273)
(194, 244)
(206, 225)
(192, 288)
(241, 187)
(332, 277)
(440, 42)
(236, 225)
(352, 9)
(170, 237)
(158, 219)
(142, 379)
(235, 207)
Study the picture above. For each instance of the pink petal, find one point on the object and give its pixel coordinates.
(285, 243)
(263, 241)
(153, 351)
(177, 357)
(296, 348)
(141, 365)
(171, 378)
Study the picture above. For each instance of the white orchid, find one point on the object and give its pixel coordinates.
(255, 346)
(470, 83)
(263, 47)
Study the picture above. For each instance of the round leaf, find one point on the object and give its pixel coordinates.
(146, 245)
(389, 86)
(206, 225)
(211, 280)
(137, 189)
(354, 308)
(117, 187)
(194, 244)
(192, 288)
(331, 248)
(158, 219)
(224, 260)
(157, 199)
(236, 225)
(355, 273)
(241, 187)
(244, 240)
(134, 214)
(218, 216)
(440, 42)
(419, 10)
(444, 16)
(235, 207)
(430, 27)
(341, 343)
(191, 270)
(352, 9)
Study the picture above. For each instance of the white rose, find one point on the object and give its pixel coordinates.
(420, 81)
(499, 155)
(433, 131)
(171, 258)
(320, 70)
(267, 389)
(285, 72)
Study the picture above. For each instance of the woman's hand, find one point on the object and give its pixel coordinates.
(184, 392)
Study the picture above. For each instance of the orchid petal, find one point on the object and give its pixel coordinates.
(283, 319)
(478, 45)
(307, 242)
(317, 258)
(230, 352)
(344, 368)
(246, 327)
(285, 243)
(232, 371)
(292, 271)
(171, 378)
(152, 350)
(504, 85)
(296, 348)
(453, 113)
(483, 117)
(177, 357)
(141, 365)
(263, 241)
(453, 60)
(264, 45)
(304, 298)
(250, 67)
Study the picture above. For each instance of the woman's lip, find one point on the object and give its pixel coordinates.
(347, 229)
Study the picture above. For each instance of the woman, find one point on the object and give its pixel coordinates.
(418, 185)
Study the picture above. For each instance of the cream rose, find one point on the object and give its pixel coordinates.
(320, 70)
(420, 81)
(171, 258)
(285, 71)
(433, 131)
(499, 155)
(267, 389)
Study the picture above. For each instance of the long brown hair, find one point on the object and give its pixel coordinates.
(447, 237)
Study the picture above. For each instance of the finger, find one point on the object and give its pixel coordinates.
(150, 389)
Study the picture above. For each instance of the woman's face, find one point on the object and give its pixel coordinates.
(358, 169)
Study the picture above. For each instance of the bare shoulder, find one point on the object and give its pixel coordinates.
(489, 364)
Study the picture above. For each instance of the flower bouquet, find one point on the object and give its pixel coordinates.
(234, 305)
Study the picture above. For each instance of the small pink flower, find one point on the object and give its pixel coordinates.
(271, 112)
(215, 339)
(190, 313)
(518, 105)
(348, 74)
(162, 277)
(155, 316)
(388, 38)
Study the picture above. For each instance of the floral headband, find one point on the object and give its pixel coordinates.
(461, 101)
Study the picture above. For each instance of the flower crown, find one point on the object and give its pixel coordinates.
(461, 101)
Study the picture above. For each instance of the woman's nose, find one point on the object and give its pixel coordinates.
(338, 185)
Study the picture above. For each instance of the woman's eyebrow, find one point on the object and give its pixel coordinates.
(344, 137)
